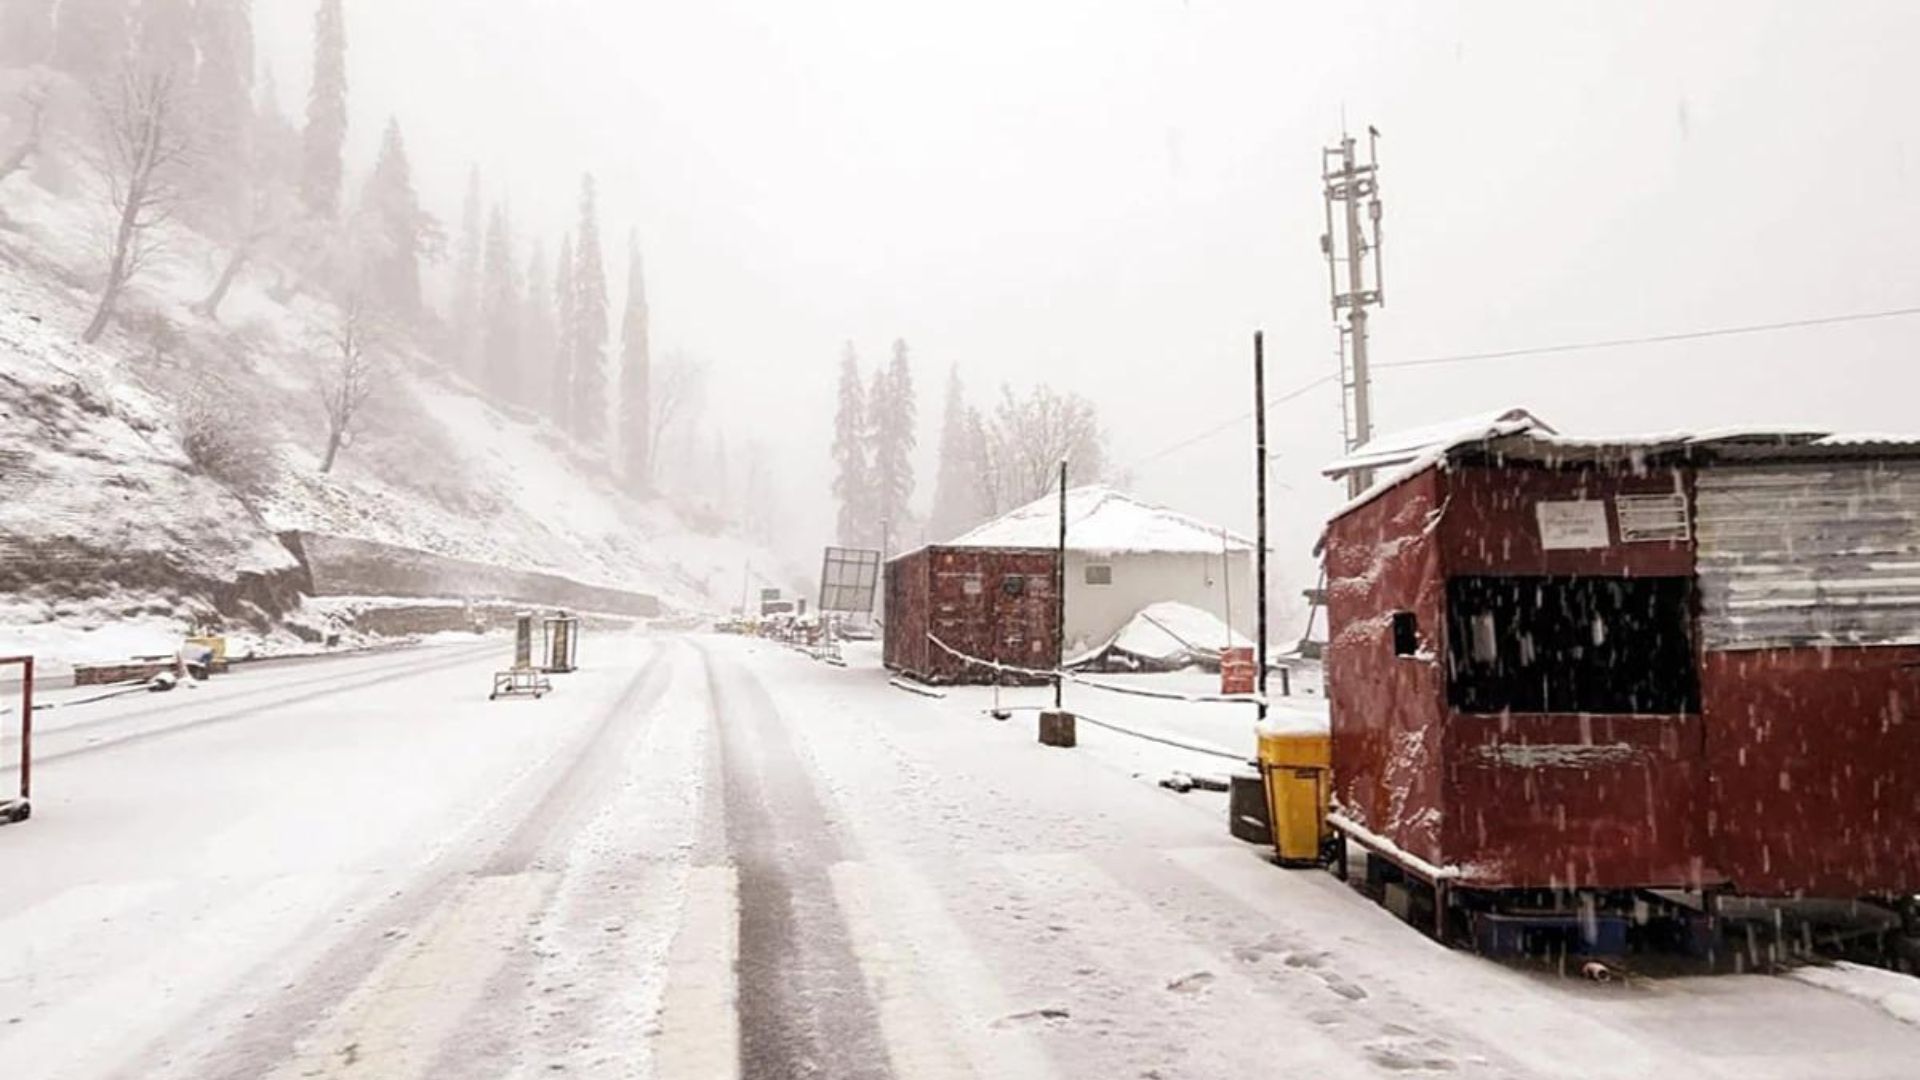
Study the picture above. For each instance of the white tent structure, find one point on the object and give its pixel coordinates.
(1124, 555)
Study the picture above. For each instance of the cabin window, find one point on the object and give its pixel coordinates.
(1099, 574)
(1013, 585)
(1406, 634)
(1570, 645)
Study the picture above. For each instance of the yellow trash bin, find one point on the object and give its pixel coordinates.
(1298, 769)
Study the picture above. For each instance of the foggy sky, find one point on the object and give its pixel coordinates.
(1111, 195)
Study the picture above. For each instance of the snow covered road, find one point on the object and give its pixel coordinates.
(709, 857)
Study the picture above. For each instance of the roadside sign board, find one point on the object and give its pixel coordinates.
(849, 577)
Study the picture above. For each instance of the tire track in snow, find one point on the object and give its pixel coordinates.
(803, 1008)
(276, 1031)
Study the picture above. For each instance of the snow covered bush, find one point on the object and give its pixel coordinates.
(222, 445)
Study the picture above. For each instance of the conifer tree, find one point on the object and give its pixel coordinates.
(852, 481)
(26, 32)
(956, 484)
(502, 339)
(537, 341)
(323, 166)
(590, 326)
(892, 417)
(91, 38)
(468, 324)
(636, 374)
(223, 110)
(560, 381)
(398, 226)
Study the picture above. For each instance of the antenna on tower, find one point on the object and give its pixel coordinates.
(1347, 243)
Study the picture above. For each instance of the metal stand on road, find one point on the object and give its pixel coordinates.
(21, 808)
(522, 679)
(560, 634)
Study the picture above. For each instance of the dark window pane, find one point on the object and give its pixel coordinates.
(1571, 644)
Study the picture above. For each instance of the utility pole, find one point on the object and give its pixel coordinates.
(1260, 506)
(1060, 597)
(1349, 182)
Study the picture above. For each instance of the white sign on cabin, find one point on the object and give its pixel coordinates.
(1566, 526)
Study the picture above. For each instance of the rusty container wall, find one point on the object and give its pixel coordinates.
(1388, 711)
(1568, 800)
(1811, 675)
(905, 630)
(1816, 786)
(996, 604)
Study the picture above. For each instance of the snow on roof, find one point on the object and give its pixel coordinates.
(1169, 631)
(1516, 435)
(1401, 447)
(1102, 520)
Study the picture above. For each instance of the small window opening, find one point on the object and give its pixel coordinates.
(1099, 574)
(1406, 633)
(1013, 585)
(1570, 645)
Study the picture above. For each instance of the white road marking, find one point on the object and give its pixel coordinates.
(937, 1000)
(394, 1024)
(699, 1036)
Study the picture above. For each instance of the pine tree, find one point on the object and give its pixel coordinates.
(892, 417)
(26, 32)
(398, 226)
(636, 373)
(589, 408)
(91, 38)
(223, 110)
(468, 323)
(537, 340)
(165, 43)
(956, 483)
(852, 479)
(323, 166)
(502, 339)
(560, 382)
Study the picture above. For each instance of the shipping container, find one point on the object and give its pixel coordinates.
(989, 604)
(1682, 662)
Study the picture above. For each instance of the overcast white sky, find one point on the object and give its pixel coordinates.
(1111, 195)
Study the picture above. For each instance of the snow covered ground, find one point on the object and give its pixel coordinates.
(713, 857)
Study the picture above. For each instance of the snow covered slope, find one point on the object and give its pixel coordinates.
(106, 517)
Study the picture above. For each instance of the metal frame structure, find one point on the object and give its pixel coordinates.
(560, 643)
(21, 808)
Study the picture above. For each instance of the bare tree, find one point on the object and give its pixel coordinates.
(143, 147)
(34, 97)
(1029, 437)
(679, 394)
(272, 210)
(352, 364)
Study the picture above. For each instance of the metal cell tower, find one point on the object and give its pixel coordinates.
(1350, 183)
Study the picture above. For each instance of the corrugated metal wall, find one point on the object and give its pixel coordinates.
(1824, 553)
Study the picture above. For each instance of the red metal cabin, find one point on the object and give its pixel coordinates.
(1682, 663)
(996, 604)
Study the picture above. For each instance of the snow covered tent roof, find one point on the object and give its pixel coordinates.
(1401, 447)
(1102, 520)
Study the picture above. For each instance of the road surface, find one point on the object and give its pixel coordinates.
(706, 857)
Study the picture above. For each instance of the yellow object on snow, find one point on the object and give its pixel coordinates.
(1298, 770)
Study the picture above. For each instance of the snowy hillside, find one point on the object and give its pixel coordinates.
(110, 509)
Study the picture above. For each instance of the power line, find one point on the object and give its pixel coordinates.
(1538, 350)
(1654, 339)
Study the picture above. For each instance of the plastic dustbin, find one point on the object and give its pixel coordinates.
(1298, 769)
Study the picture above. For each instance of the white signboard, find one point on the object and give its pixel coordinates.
(1567, 526)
